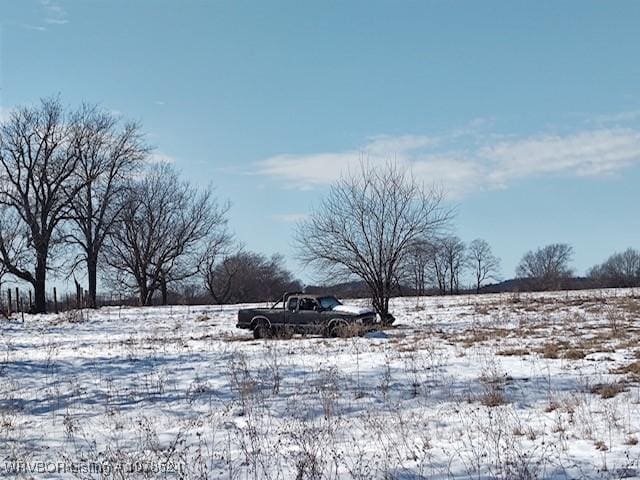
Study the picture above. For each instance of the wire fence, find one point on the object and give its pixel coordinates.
(21, 300)
(17, 300)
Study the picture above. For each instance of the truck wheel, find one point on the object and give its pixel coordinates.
(337, 329)
(261, 331)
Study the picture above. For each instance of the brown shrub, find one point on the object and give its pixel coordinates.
(600, 445)
(608, 390)
(633, 368)
(574, 354)
(513, 352)
(493, 397)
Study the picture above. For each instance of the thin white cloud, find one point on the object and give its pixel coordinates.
(616, 118)
(385, 145)
(38, 28)
(289, 217)
(54, 14)
(160, 157)
(588, 153)
(307, 171)
(456, 176)
(469, 160)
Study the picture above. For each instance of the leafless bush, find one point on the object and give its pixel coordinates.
(74, 316)
(242, 382)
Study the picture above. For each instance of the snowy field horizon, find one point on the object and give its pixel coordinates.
(504, 386)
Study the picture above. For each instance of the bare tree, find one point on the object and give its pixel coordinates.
(14, 243)
(365, 227)
(220, 277)
(159, 237)
(37, 163)
(482, 262)
(249, 277)
(452, 249)
(216, 267)
(438, 264)
(547, 267)
(619, 270)
(107, 156)
(416, 268)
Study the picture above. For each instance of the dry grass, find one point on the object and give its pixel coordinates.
(609, 390)
(493, 398)
(481, 335)
(630, 305)
(600, 445)
(513, 352)
(574, 354)
(633, 368)
(552, 349)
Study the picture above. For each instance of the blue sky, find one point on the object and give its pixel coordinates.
(527, 113)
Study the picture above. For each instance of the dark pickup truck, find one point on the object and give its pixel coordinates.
(302, 313)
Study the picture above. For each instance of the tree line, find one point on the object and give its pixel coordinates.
(81, 197)
(382, 226)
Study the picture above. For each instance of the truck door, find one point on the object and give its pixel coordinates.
(291, 312)
(308, 314)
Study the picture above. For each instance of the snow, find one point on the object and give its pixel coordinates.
(352, 309)
(493, 386)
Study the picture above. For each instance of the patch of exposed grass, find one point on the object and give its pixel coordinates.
(484, 335)
(553, 349)
(630, 305)
(513, 352)
(574, 354)
(632, 368)
(493, 397)
(600, 445)
(608, 390)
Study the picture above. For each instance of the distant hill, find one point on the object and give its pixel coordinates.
(527, 285)
(359, 289)
(355, 289)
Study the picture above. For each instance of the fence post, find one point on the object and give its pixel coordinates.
(55, 300)
(18, 303)
(78, 295)
(10, 306)
(30, 302)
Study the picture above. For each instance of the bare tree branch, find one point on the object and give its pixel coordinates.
(366, 225)
(108, 155)
(37, 163)
(160, 235)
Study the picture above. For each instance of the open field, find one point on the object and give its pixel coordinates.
(494, 386)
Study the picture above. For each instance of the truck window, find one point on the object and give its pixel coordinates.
(293, 304)
(308, 304)
(328, 303)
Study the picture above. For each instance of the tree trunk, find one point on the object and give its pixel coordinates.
(149, 300)
(163, 290)
(144, 294)
(92, 273)
(39, 286)
(380, 302)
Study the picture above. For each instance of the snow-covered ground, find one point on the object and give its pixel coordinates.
(493, 386)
